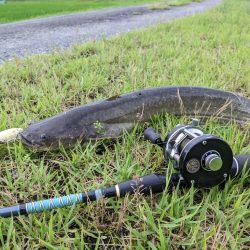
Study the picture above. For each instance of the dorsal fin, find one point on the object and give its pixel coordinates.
(112, 98)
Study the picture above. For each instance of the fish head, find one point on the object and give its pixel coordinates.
(50, 134)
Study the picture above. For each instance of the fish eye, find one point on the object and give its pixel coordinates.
(43, 136)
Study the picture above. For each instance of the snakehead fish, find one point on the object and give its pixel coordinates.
(108, 118)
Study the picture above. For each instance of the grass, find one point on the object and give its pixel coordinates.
(165, 5)
(181, 2)
(16, 10)
(210, 49)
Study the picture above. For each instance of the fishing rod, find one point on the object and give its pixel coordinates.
(200, 159)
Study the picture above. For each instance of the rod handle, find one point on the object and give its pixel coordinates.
(145, 184)
(239, 162)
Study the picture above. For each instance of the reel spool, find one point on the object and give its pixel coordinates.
(202, 159)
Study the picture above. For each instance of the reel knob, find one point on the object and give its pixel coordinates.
(213, 162)
(152, 136)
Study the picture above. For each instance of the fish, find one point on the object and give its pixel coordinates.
(109, 118)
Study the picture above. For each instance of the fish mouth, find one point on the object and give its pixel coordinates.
(37, 147)
(29, 143)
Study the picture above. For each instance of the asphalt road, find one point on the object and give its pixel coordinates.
(47, 34)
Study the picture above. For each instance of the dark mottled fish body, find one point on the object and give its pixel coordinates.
(108, 118)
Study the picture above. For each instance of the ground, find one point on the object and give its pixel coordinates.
(16, 10)
(48, 34)
(209, 49)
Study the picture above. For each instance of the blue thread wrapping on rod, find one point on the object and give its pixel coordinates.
(44, 205)
(98, 194)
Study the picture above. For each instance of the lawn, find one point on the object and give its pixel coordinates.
(210, 49)
(16, 10)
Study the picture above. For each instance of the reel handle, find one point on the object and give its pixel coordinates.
(153, 137)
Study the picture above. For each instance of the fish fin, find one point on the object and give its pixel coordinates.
(110, 130)
(112, 98)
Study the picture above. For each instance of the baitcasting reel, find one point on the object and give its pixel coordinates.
(202, 159)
